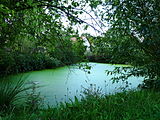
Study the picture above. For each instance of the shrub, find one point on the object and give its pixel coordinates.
(10, 92)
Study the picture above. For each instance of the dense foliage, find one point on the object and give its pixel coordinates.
(33, 36)
(139, 105)
(114, 48)
(136, 30)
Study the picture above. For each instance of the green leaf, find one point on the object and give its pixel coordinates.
(18, 4)
(30, 2)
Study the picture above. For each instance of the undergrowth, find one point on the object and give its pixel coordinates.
(131, 105)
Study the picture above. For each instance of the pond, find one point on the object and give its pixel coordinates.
(62, 84)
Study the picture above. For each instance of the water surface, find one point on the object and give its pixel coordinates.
(62, 84)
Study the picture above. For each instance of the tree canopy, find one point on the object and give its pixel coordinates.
(33, 36)
(138, 19)
(29, 25)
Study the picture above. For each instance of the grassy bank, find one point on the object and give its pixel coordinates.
(133, 105)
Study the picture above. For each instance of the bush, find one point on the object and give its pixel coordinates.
(11, 92)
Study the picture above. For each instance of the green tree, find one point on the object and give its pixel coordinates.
(139, 19)
(32, 35)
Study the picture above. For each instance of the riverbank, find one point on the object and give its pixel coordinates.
(132, 105)
(105, 59)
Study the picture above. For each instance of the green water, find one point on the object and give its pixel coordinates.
(62, 84)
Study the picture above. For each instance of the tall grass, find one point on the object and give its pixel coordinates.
(128, 105)
(132, 105)
(11, 92)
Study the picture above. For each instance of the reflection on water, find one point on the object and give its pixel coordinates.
(64, 83)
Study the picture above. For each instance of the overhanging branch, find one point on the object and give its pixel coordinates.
(61, 8)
